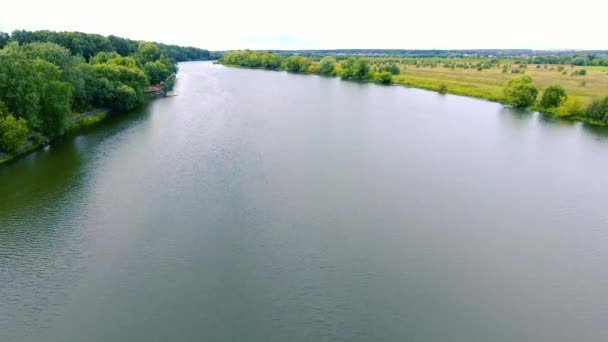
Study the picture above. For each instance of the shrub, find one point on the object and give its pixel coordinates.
(13, 133)
(520, 92)
(442, 88)
(598, 110)
(384, 77)
(570, 107)
(327, 65)
(553, 96)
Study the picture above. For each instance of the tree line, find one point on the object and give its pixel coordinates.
(88, 45)
(522, 93)
(348, 68)
(46, 76)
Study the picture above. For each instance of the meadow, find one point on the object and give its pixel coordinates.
(487, 83)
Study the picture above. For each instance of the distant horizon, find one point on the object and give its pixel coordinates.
(326, 49)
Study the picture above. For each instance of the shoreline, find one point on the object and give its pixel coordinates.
(74, 123)
(79, 121)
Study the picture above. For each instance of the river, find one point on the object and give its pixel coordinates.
(267, 206)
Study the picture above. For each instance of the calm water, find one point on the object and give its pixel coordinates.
(265, 206)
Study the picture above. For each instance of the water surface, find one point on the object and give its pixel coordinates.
(267, 206)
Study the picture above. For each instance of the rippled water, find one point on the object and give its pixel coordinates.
(265, 206)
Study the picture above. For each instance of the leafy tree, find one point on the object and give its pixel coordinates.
(4, 39)
(327, 65)
(598, 110)
(13, 132)
(298, 64)
(384, 77)
(570, 107)
(123, 46)
(55, 98)
(19, 84)
(147, 52)
(553, 97)
(104, 83)
(520, 92)
(103, 57)
(355, 69)
(156, 71)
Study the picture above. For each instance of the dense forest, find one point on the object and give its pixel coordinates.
(520, 92)
(47, 76)
(593, 58)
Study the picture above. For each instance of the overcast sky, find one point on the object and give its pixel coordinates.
(325, 24)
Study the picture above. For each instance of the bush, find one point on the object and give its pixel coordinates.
(327, 65)
(598, 110)
(13, 133)
(384, 77)
(581, 72)
(520, 92)
(570, 107)
(553, 96)
(442, 88)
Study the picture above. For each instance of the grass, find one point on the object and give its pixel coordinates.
(86, 121)
(488, 83)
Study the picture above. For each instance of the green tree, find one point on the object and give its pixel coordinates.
(147, 52)
(13, 132)
(19, 84)
(598, 110)
(156, 71)
(104, 83)
(327, 65)
(520, 92)
(570, 107)
(298, 64)
(553, 97)
(384, 77)
(355, 69)
(55, 98)
(4, 39)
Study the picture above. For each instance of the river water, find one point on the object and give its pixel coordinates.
(267, 206)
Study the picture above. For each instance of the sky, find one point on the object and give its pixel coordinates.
(325, 24)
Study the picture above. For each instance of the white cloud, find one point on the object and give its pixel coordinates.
(273, 24)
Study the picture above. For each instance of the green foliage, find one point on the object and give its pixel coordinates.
(13, 132)
(598, 110)
(156, 71)
(355, 69)
(580, 72)
(4, 39)
(553, 97)
(520, 92)
(88, 45)
(442, 88)
(114, 85)
(383, 77)
(570, 107)
(147, 52)
(297, 64)
(391, 68)
(168, 86)
(327, 66)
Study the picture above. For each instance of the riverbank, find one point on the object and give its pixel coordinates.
(76, 122)
(36, 141)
